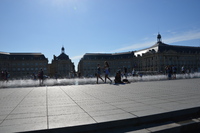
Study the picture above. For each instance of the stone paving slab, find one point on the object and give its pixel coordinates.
(47, 107)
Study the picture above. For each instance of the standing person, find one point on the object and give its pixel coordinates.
(99, 73)
(125, 72)
(174, 69)
(169, 72)
(6, 76)
(2, 75)
(107, 69)
(166, 70)
(183, 69)
(133, 72)
(40, 76)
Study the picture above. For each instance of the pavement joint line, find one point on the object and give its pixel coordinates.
(78, 104)
(178, 99)
(17, 105)
(111, 104)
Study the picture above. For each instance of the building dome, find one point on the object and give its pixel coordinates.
(63, 56)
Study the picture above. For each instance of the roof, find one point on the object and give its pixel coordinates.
(107, 55)
(161, 47)
(63, 56)
(21, 56)
(26, 54)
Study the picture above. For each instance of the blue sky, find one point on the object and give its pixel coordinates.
(96, 26)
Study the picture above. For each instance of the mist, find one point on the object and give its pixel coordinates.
(84, 81)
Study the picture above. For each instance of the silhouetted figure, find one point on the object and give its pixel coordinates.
(99, 73)
(5, 75)
(125, 72)
(34, 76)
(169, 71)
(118, 78)
(174, 69)
(2, 76)
(183, 69)
(41, 76)
(107, 71)
(133, 72)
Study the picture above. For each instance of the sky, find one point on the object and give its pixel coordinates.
(95, 26)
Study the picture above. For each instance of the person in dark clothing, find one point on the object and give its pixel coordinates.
(7, 75)
(125, 72)
(41, 76)
(118, 78)
(169, 70)
(99, 73)
(174, 69)
(2, 76)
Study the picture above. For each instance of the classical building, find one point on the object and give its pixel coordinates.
(23, 65)
(87, 66)
(160, 55)
(61, 66)
(152, 59)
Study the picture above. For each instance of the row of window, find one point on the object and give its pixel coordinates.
(25, 69)
(23, 64)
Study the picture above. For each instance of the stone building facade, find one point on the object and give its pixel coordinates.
(23, 65)
(153, 59)
(87, 66)
(62, 66)
(26, 65)
(160, 55)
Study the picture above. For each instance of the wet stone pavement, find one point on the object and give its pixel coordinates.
(47, 107)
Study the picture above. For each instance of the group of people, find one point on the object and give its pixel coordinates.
(4, 75)
(171, 72)
(107, 72)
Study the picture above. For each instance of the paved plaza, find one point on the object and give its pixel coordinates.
(48, 107)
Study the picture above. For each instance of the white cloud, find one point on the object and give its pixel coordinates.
(178, 37)
(135, 46)
(186, 36)
(77, 57)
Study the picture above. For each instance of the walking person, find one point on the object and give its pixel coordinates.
(99, 73)
(125, 72)
(40, 76)
(107, 71)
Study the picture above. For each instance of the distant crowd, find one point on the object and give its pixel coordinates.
(120, 76)
(5, 76)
